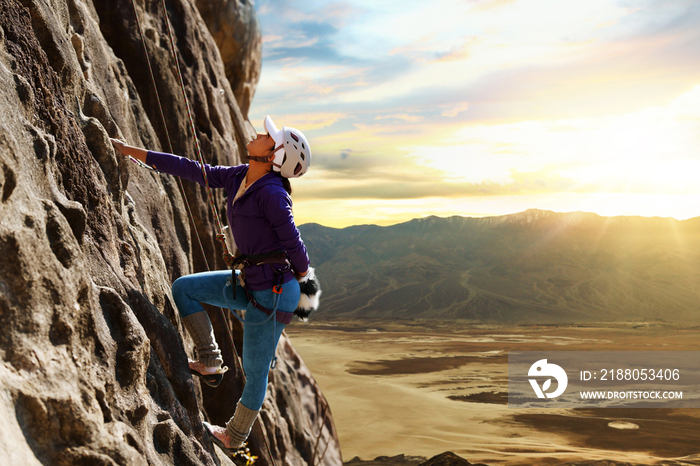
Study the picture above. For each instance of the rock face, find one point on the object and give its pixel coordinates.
(235, 29)
(92, 353)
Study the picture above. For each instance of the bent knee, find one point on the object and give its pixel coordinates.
(179, 285)
(180, 293)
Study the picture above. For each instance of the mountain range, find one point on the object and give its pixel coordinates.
(532, 267)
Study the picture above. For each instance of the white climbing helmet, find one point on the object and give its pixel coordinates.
(292, 152)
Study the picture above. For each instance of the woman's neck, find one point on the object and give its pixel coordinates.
(256, 170)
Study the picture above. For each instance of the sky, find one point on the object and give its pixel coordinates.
(486, 107)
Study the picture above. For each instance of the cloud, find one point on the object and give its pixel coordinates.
(491, 4)
(309, 121)
(613, 78)
(429, 49)
(404, 117)
(591, 64)
(350, 166)
(498, 98)
(308, 32)
(452, 110)
(425, 184)
(661, 17)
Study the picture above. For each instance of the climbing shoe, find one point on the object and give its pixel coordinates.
(241, 456)
(213, 379)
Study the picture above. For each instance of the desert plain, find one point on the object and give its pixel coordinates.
(420, 388)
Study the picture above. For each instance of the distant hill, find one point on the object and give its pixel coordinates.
(532, 267)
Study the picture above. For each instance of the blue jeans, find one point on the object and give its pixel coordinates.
(258, 341)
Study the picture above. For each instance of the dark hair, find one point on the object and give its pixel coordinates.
(287, 185)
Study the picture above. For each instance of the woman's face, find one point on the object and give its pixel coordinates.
(261, 146)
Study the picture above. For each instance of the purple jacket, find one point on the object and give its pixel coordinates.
(261, 221)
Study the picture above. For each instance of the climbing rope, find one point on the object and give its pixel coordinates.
(167, 137)
(228, 257)
(324, 413)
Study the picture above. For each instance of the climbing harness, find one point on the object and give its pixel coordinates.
(239, 265)
(249, 260)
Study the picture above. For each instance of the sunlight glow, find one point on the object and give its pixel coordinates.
(653, 150)
(486, 107)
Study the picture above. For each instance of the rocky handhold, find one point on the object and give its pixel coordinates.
(60, 236)
(8, 182)
(133, 348)
(93, 358)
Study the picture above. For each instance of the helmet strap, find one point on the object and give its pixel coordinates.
(268, 158)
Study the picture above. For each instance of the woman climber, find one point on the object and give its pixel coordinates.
(271, 259)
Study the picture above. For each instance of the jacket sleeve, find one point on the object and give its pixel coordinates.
(277, 206)
(189, 169)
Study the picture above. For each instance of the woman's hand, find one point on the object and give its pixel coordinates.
(119, 145)
(130, 151)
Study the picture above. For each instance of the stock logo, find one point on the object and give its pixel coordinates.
(543, 369)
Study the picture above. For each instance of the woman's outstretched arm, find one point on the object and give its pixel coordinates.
(218, 176)
(135, 152)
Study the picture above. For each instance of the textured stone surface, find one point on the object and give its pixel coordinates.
(235, 29)
(92, 354)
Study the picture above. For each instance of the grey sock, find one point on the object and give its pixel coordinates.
(199, 327)
(240, 425)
